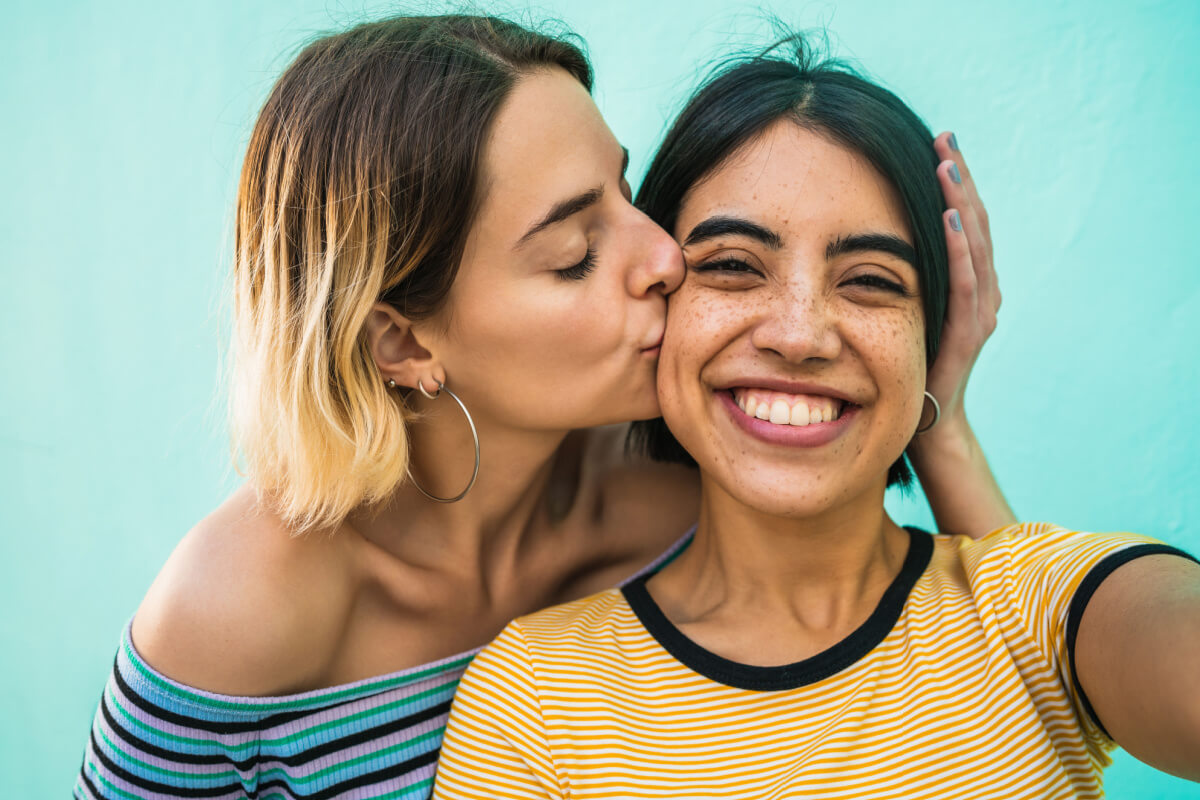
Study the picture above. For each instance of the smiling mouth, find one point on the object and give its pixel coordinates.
(779, 408)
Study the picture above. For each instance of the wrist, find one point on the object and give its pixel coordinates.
(950, 441)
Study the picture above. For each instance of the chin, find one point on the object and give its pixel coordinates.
(631, 406)
(636, 412)
(792, 495)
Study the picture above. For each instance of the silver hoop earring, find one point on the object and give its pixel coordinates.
(474, 435)
(937, 414)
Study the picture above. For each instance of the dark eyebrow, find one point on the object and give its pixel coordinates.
(713, 227)
(561, 211)
(872, 242)
(572, 205)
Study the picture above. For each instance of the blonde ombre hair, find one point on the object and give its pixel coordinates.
(360, 183)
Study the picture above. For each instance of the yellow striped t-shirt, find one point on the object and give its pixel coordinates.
(958, 686)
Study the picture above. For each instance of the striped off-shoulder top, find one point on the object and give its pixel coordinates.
(153, 737)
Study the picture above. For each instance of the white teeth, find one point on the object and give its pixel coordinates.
(779, 412)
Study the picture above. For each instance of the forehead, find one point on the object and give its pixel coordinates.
(548, 142)
(798, 183)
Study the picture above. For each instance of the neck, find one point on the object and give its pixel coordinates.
(821, 572)
(516, 470)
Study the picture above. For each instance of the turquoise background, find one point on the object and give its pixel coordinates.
(122, 134)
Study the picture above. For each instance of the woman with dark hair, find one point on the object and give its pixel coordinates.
(442, 291)
(804, 644)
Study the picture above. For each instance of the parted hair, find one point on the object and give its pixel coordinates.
(740, 100)
(361, 180)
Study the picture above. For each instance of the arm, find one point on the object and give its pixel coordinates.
(948, 460)
(1137, 657)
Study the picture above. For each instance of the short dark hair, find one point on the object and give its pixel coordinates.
(739, 101)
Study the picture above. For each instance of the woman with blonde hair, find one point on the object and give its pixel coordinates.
(445, 301)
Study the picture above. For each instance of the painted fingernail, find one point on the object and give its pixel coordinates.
(954, 176)
(955, 222)
(953, 142)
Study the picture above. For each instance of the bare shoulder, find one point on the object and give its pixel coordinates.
(643, 506)
(243, 607)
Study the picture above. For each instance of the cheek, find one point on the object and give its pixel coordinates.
(687, 318)
(903, 362)
(581, 323)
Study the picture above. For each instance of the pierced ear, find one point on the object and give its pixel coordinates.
(397, 352)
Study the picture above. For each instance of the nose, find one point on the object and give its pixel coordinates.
(798, 324)
(657, 260)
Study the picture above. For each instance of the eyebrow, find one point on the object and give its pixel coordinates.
(715, 227)
(571, 206)
(872, 242)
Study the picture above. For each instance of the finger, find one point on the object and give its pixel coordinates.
(985, 262)
(946, 146)
(964, 285)
(961, 334)
(957, 198)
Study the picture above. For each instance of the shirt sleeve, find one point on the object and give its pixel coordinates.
(1044, 575)
(496, 744)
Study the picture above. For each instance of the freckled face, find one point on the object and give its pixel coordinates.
(794, 360)
(556, 316)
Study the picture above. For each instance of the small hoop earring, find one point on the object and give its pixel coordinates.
(434, 396)
(937, 414)
(474, 435)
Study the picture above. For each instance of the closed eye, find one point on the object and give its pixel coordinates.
(726, 265)
(873, 281)
(577, 272)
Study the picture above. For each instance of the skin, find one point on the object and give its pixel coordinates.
(792, 541)
(540, 359)
(794, 548)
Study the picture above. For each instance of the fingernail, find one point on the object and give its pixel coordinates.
(953, 142)
(954, 176)
(955, 222)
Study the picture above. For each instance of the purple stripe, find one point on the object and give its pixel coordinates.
(201, 770)
(216, 741)
(367, 748)
(95, 769)
(339, 712)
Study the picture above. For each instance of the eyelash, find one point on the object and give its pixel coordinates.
(577, 272)
(876, 282)
(728, 264)
(738, 265)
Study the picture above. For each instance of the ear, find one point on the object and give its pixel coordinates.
(397, 353)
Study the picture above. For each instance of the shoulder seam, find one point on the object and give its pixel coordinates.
(519, 633)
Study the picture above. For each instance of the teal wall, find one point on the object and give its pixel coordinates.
(122, 132)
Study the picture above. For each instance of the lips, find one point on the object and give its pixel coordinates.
(654, 346)
(767, 412)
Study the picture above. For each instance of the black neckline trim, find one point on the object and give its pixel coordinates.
(802, 673)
